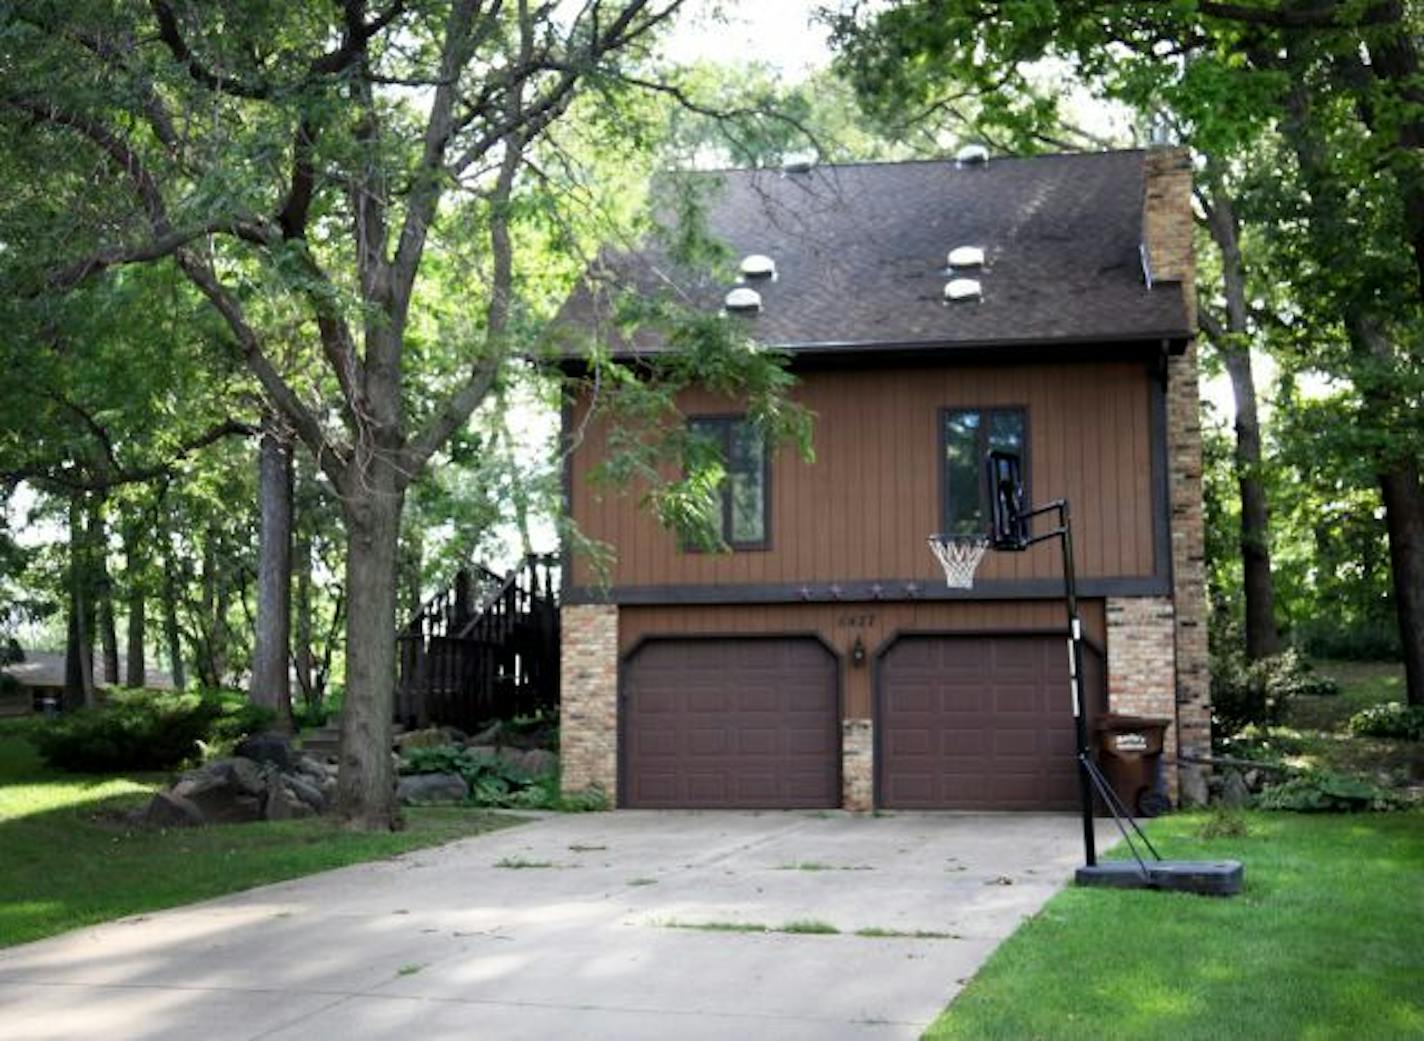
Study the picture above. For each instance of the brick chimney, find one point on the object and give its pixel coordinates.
(1168, 223)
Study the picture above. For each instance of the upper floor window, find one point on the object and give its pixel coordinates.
(968, 436)
(743, 496)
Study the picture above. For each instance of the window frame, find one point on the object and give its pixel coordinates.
(981, 451)
(724, 422)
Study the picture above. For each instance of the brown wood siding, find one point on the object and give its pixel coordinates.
(862, 509)
(875, 624)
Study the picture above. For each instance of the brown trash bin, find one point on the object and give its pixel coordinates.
(1129, 752)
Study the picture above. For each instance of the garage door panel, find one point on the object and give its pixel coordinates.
(976, 723)
(754, 723)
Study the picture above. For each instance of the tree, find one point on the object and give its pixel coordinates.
(1334, 83)
(383, 185)
(271, 671)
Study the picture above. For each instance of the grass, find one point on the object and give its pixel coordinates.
(815, 865)
(1362, 685)
(521, 864)
(1327, 941)
(876, 932)
(800, 927)
(68, 858)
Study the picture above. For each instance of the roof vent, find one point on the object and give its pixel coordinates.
(972, 155)
(798, 163)
(743, 301)
(758, 265)
(966, 256)
(963, 289)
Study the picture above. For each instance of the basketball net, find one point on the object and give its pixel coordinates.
(959, 555)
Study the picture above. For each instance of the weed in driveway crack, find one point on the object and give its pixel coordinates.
(876, 932)
(520, 863)
(802, 927)
(815, 865)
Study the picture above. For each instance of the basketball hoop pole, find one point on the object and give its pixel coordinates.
(1064, 533)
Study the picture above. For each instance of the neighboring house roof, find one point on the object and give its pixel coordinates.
(861, 255)
(45, 669)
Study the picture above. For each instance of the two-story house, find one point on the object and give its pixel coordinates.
(821, 661)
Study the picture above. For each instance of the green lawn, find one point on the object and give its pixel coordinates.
(1363, 684)
(1327, 941)
(68, 859)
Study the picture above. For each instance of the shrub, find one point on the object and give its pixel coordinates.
(495, 782)
(1245, 693)
(1322, 792)
(1404, 722)
(146, 730)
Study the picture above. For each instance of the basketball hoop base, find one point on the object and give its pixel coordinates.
(1207, 877)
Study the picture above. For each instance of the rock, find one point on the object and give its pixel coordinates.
(306, 791)
(432, 737)
(1253, 780)
(514, 757)
(416, 789)
(1194, 789)
(540, 761)
(1234, 793)
(267, 747)
(488, 736)
(282, 804)
(311, 767)
(480, 752)
(166, 810)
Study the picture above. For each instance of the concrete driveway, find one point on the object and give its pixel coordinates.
(571, 928)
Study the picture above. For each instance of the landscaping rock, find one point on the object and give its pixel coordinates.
(304, 790)
(540, 761)
(310, 767)
(488, 736)
(432, 737)
(1194, 789)
(1234, 793)
(282, 804)
(514, 757)
(267, 747)
(166, 810)
(417, 789)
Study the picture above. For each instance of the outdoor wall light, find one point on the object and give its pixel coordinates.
(857, 652)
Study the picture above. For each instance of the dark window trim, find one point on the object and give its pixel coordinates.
(725, 420)
(982, 449)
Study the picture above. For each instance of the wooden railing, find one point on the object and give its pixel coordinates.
(485, 648)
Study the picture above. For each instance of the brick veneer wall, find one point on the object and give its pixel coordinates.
(1142, 665)
(1168, 228)
(588, 692)
(857, 764)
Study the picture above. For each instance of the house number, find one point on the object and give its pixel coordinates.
(856, 621)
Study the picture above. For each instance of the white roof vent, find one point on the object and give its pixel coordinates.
(743, 300)
(972, 155)
(963, 289)
(758, 265)
(966, 256)
(798, 163)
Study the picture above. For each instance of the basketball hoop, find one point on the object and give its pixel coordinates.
(959, 555)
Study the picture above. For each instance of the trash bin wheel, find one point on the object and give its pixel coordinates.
(1152, 803)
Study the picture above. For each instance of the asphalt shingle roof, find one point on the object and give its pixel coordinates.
(861, 254)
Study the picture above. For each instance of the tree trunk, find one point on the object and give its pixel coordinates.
(302, 656)
(271, 675)
(103, 590)
(367, 781)
(172, 634)
(1404, 514)
(1262, 639)
(79, 642)
(135, 674)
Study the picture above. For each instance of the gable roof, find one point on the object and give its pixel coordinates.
(861, 253)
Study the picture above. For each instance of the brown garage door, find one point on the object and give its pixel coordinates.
(728, 723)
(977, 723)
